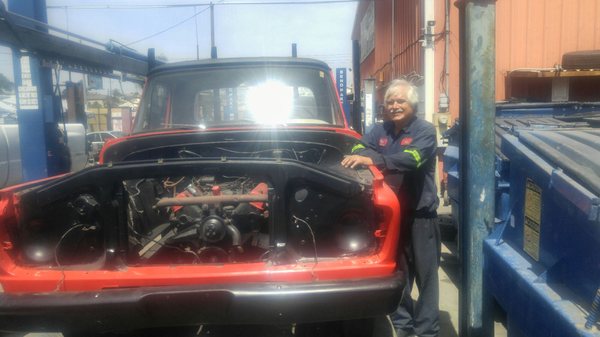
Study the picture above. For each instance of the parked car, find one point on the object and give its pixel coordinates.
(96, 140)
(10, 151)
(227, 205)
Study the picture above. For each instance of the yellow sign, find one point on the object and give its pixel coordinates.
(532, 220)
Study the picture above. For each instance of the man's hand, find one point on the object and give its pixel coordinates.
(356, 160)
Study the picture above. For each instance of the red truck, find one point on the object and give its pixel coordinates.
(227, 204)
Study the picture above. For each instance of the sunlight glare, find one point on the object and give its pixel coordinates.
(270, 102)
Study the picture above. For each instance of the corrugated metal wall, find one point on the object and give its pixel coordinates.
(529, 34)
(407, 49)
(536, 33)
(390, 59)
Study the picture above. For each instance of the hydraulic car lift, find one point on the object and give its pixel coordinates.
(36, 54)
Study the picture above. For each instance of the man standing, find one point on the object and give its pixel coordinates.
(404, 148)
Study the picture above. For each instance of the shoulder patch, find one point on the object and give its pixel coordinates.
(406, 141)
(383, 141)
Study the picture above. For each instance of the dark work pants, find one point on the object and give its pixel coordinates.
(421, 259)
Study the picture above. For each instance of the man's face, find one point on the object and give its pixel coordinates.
(397, 107)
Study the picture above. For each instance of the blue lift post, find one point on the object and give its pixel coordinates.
(477, 160)
(36, 53)
(35, 102)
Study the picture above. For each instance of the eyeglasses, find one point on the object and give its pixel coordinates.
(397, 101)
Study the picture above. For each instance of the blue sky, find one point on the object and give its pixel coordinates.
(321, 31)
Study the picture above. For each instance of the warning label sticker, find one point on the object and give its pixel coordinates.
(532, 221)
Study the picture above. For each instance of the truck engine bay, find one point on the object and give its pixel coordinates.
(229, 210)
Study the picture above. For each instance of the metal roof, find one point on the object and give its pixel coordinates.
(70, 54)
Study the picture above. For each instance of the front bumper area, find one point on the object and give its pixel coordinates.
(263, 303)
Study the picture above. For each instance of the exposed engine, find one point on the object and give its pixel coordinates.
(199, 219)
(196, 212)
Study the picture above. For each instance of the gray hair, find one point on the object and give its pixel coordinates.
(412, 95)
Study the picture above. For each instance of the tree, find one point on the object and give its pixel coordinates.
(117, 93)
(95, 105)
(115, 99)
(6, 86)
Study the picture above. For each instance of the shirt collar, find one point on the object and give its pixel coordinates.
(389, 126)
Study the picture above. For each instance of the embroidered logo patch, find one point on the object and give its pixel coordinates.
(406, 141)
(383, 141)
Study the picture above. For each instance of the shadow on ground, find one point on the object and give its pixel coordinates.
(450, 263)
(446, 327)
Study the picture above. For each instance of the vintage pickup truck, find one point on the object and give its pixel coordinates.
(226, 205)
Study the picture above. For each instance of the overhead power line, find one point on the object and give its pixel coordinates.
(208, 6)
(149, 6)
(168, 28)
(224, 3)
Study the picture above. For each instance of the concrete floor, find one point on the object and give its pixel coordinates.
(448, 275)
(449, 281)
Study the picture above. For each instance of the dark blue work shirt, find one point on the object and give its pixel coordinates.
(407, 161)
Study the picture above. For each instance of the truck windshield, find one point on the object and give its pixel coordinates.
(267, 95)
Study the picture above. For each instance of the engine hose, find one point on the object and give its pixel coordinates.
(236, 237)
(595, 312)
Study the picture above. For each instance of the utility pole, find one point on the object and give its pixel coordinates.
(477, 115)
(109, 110)
(197, 43)
(68, 37)
(429, 58)
(213, 47)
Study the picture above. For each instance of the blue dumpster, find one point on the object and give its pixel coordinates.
(542, 259)
(542, 263)
(512, 116)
